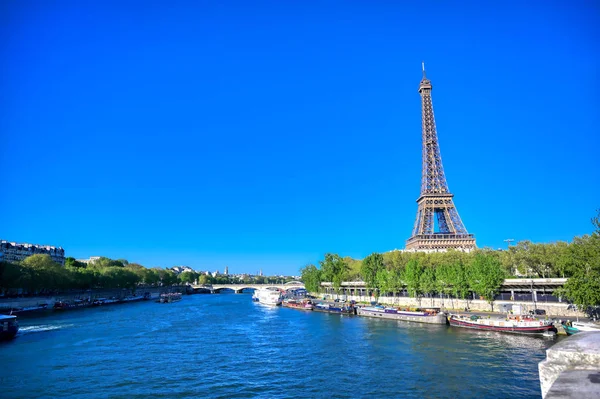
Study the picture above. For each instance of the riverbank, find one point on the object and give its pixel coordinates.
(7, 304)
(555, 309)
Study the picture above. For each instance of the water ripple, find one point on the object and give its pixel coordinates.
(225, 346)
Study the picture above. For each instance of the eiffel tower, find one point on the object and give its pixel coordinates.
(435, 202)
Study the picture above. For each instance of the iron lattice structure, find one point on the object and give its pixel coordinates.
(435, 202)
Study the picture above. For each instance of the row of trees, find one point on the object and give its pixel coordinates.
(39, 274)
(451, 273)
(482, 271)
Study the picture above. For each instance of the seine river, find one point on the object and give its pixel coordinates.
(226, 346)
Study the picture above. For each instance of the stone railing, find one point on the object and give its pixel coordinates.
(572, 368)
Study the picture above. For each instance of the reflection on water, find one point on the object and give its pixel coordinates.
(227, 346)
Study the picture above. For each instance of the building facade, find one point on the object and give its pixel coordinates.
(16, 252)
(88, 261)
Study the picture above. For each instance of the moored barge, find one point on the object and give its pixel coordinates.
(305, 304)
(169, 297)
(511, 324)
(339, 308)
(430, 316)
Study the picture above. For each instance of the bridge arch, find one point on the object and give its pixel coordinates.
(221, 289)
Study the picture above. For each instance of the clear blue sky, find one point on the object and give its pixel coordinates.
(265, 134)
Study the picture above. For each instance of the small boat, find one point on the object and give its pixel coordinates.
(8, 327)
(268, 296)
(61, 305)
(338, 307)
(511, 324)
(104, 301)
(73, 304)
(169, 297)
(572, 327)
(305, 304)
(135, 298)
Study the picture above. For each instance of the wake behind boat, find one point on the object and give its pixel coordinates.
(510, 324)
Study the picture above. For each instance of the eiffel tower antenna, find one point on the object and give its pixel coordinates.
(435, 202)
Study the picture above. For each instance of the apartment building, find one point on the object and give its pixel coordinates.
(16, 252)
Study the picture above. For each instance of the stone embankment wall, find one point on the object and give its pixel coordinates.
(13, 303)
(572, 368)
(551, 308)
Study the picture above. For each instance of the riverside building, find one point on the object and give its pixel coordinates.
(16, 252)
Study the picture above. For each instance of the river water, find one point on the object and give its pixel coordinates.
(226, 346)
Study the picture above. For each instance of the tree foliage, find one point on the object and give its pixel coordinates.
(370, 268)
(412, 277)
(311, 277)
(39, 274)
(486, 275)
(583, 288)
(334, 269)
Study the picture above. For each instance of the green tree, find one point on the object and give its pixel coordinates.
(382, 283)
(103, 262)
(203, 280)
(188, 277)
(334, 269)
(369, 269)
(459, 281)
(354, 267)
(486, 275)
(427, 282)
(42, 273)
(73, 263)
(583, 287)
(412, 277)
(311, 277)
(10, 276)
(444, 278)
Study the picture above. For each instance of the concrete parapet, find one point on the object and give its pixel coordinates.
(572, 368)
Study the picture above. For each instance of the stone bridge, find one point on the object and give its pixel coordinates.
(238, 288)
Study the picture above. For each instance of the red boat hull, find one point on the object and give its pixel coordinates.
(296, 306)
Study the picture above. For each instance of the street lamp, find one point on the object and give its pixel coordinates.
(508, 241)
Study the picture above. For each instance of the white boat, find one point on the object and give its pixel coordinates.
(268, 296)
(572, 327)
(581, 326)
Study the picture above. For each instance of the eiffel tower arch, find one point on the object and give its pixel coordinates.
(436, 203)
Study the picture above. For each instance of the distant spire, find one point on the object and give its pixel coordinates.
(423, 65)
